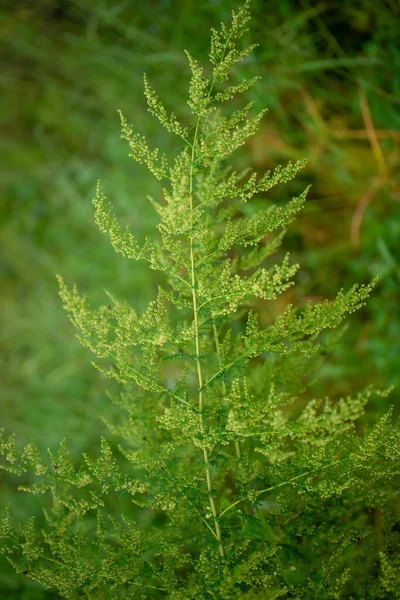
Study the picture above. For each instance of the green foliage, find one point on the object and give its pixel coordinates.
(235, 484)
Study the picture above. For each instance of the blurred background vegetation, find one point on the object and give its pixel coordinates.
(331, 82)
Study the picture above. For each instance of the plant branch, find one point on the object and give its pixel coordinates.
(217, 346)
(275, 487)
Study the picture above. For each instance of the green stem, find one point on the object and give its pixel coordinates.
(218, 532)
(145, 585)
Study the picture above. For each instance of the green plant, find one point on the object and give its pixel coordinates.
(231, 483)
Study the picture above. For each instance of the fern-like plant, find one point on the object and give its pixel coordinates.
(238, 486)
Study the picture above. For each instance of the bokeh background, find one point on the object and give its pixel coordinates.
(331, 82)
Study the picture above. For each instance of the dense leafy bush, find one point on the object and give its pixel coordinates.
(231, 482)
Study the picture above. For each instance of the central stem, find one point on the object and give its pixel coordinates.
(218, 533)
